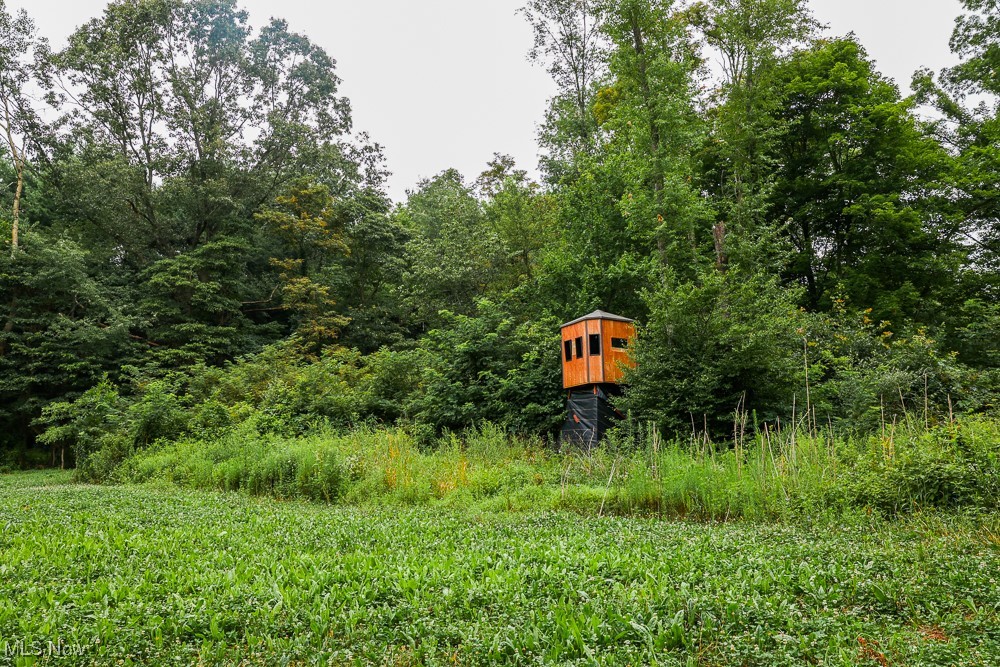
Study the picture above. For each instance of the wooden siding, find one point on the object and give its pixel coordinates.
(575, 372)
(595, 364)
(616, 360)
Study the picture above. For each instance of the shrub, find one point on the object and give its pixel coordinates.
(950, 467)
(865, 375)
(87, 424)
(491, 368)
(708, 347)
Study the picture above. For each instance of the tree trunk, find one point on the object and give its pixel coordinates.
(8, 326)
(18, 157)
(719, 233)
(812, 290)
(17, 209)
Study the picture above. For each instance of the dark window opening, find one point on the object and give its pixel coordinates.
(619, 343)
(568, 345)
(595, 345)
(579, 347)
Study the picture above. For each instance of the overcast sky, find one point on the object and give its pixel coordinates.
(446, 83)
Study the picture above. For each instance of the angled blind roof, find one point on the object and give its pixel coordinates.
(598, 315)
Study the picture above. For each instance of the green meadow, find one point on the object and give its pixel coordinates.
(160, 575)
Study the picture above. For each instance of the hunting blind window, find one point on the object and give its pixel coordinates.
(569, 350)
(619, 343)
(579, 347)
(595, 345)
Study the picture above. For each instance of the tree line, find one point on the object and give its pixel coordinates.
(196, 239)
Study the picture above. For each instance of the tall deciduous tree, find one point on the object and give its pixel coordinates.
(306, 224)
(524, 218)
(188, 121)
(570, 43)
(18, 46)
(971, 101)
(859, 187)
(454, 257)
(750, 38)
(653, 126)
(368, 279)
(967, 98)
(184, 91)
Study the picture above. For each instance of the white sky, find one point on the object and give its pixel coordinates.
(446, 83)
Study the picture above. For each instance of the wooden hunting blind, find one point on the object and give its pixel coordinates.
(595, 352)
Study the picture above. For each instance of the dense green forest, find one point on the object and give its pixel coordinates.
(196, 241)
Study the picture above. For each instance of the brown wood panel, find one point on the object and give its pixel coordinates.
(595, 363)
(614, 359)
(575, 371)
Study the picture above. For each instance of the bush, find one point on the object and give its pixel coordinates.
(491, 368)
(865, 375)
(950, 467)
(711, 346)
(86, 425)
(321, 475)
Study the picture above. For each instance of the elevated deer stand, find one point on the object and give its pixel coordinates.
(594, 351)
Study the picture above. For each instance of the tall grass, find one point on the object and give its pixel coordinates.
(777, 473)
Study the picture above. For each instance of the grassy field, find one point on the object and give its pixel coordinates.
(773, 476)
(135, 575)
